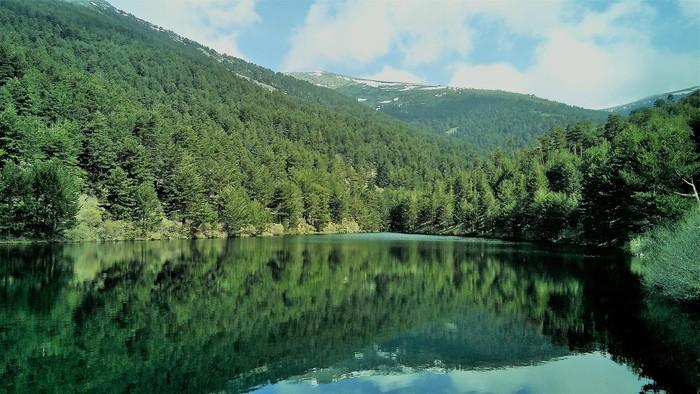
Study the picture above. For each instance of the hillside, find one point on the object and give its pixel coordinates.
(159, 134)
(485, 118)
(113, 128)
(650, 101)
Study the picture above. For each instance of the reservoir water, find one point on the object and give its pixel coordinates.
(365, 313)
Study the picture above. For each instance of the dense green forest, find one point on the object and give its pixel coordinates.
(111, 128)
(487, 119)
(583, 183)
(143, 134)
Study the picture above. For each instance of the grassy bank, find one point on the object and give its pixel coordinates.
(92, 224)
(125, 231)
(669, 258)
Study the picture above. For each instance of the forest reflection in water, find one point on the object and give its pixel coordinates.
(351, 313)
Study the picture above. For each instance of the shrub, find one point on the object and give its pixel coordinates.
(169, 229)
(670, 258)
(303, 228)
(89, 220)
(347, 226)
(273, 229)
(118, 230)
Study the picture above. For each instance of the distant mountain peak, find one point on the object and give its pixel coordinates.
(649, 101)
(332, 80)
(94, 3)
(487, 118)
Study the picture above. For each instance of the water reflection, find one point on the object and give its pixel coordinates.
(334, 313)
(586, 373)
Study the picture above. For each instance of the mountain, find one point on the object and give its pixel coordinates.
(650, 101)
(114, 128)
(485, 118)
(158, 133)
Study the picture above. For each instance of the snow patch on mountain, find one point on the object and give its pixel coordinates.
(374, 84)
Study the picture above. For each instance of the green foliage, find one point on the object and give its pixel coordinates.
(15, 201)
(54, 196)
(551, 213)
(121, 105)
(148, 211)
(316, 209)
(288, 204)
(562, 172)
(186, 194)
(38, 200)
(581, 184)
(89, 220)
(173, 139)
(404, 214)
(670, 258)
(10, 65)
(238, 212)
(120, 194)
(117, 230)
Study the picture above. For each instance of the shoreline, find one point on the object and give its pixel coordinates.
(625, 249)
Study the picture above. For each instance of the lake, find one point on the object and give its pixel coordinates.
(375, 313)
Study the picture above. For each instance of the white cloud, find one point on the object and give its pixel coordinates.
(582, 373)
(690, 9)
(227, 13)
(359, 31)
(584, 57)
(391, 74)
(587, 58)
(227, 44)
(214, 23)
(603, 60)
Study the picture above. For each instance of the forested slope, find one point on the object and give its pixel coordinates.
(485, 118)
(112, 128)
(153, 130)
(583, 183)
(650, 101)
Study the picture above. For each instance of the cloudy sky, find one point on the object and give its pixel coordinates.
(589, 53)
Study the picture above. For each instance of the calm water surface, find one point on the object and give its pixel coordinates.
(376, 313)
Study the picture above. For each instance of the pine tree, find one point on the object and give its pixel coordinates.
(316, 209)
(54, 201)
(10, 65)
(120, 194)
(186, 193)
(148, 210)
(288, 204)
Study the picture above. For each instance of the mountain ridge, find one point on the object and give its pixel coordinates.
(485, 118)
(650, 101)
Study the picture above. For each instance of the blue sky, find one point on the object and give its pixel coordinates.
(588, 53)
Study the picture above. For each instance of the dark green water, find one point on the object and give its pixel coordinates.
(336, 314)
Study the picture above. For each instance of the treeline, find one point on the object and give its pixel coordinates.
(583, 183)
(147, 135)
